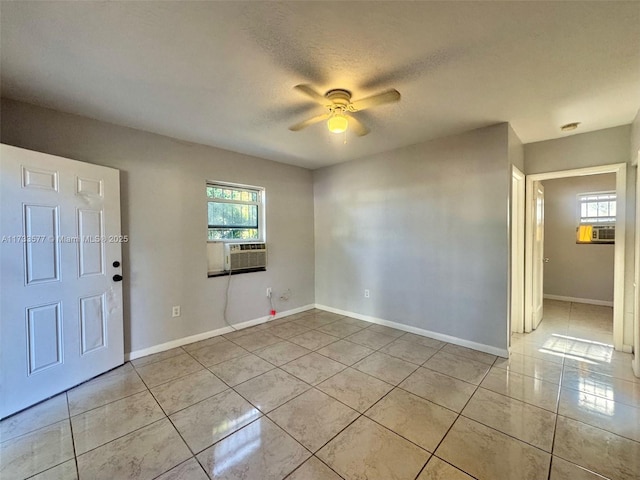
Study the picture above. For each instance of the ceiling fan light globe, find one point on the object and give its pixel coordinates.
(338, 123)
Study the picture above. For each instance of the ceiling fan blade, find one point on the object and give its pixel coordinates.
(389, 96)
(315, 96)
(357, 126)
(310, 121)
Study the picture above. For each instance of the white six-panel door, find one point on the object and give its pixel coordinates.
(61, 296)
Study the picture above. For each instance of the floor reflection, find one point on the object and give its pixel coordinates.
(581, 349)
(236, 449)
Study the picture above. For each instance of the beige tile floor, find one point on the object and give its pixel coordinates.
(316, 396)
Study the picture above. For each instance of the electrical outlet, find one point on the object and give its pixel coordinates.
(286, 295)
(269, 292)
(366, 293)
(175, 312)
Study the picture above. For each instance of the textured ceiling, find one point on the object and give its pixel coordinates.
(222, 73)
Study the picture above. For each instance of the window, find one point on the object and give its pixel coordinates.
(598, 207)
(235, 212)
(596, 218)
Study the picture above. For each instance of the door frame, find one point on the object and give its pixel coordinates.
(517, 218)
(620, 169)
(636, 310)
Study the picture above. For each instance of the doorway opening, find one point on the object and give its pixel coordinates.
(534, 257)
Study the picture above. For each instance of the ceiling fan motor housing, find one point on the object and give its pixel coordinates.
(339, 96)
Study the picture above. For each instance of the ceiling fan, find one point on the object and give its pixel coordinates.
(340, 108)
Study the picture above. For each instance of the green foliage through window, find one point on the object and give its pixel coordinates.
(229, 193)
(233, 213)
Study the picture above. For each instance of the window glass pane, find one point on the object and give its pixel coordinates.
(603, 209)
(233, 234)
(232, 215)
(597, 207)
(227, 193)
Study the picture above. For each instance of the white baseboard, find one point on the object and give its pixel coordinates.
(427, 333)
(636, 367)
(258, 321)
(211, 333)
(589, 301)
(176, 343)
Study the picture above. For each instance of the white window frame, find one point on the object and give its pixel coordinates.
(583, 199)
(260, 204)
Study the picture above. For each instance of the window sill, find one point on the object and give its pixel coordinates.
(236, 272)
(599, 242)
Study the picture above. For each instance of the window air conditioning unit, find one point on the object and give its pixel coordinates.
(603, 234)
(245, 256)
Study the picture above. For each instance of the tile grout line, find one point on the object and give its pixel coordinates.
(524, 401)
(317, 458)
(123, 435)
(139, 428)
(312, 453)
(460, 414)
(73, 446)
(109, 403)
(184, 376)
(73, 440)
(181, 437)
(171, 379)
(360, 414)
(338, 338)
(181, 463)
(448, 463)
(397, 386)
(506, 434)
(148, 390)
(158, 360)
(191, 405)
(553, 445)
(262, 415)
(564, 365)
(193, 454)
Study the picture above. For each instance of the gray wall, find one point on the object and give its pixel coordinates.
(602, 147)
(164, 214)
(574, 270)
(424, 228)
(516, 151)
